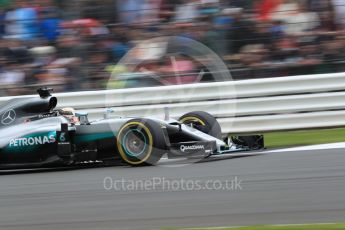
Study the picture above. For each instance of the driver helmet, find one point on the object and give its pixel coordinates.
(69, 113)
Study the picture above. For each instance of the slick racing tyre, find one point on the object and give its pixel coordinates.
(141, 142)
(203, 122)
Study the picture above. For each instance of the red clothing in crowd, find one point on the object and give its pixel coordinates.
(266, 7)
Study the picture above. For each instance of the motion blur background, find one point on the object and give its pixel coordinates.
(75, 45)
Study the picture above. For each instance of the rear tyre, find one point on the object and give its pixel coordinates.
(141, 142)
(203, 122)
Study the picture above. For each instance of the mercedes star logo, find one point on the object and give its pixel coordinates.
(8, 117)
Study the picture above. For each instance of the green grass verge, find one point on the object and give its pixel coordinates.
(268, 227)
(298, 138)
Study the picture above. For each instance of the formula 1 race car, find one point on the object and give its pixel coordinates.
(35, 134)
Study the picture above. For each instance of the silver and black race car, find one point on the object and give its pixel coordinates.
(35, 134)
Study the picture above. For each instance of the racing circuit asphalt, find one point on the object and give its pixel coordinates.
(277, 188)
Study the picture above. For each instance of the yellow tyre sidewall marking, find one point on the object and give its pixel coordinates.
(120, 148)
(194, 119)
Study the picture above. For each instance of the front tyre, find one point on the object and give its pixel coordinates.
(203, 122)
(141, 142)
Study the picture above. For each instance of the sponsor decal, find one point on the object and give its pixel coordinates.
(8, 117)
(45, 115)
(62, 137)
(31, 141)
(185, 148)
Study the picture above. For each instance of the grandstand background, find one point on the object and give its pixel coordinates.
(74, 45)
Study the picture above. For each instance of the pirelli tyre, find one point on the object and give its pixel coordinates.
(141, 142)
(204, 122)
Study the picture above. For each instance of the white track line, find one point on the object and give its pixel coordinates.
(274, 225)
(340, 145)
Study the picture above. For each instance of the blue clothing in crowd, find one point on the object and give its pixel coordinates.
(27, 21)
(50, 28)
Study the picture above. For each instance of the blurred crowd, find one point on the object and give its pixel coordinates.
(75, 45)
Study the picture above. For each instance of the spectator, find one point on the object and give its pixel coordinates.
(251, 35)
(187, 11)
(297, 20)
(265, 8)
(17, 52)
(11, 75)
(129, 11)
(50, 26)
(333, 50)
(254, 56)
(24, 19)
(339, 7)
(150, 11)
(328, 22)
(97, 63)
(277, 29)
(222, 24)
(118, 49)
(213, 38)
(167, 10)
(5, 3)
(262, 34)
(2, 22)
(310, 54)
(241, 32)
(11, 27)
(209, 7)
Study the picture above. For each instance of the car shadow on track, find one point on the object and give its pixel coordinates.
(122, 165)
(55, 169)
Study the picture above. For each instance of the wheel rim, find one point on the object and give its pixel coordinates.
(129, 156)
(134, 142)
(191, 121)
